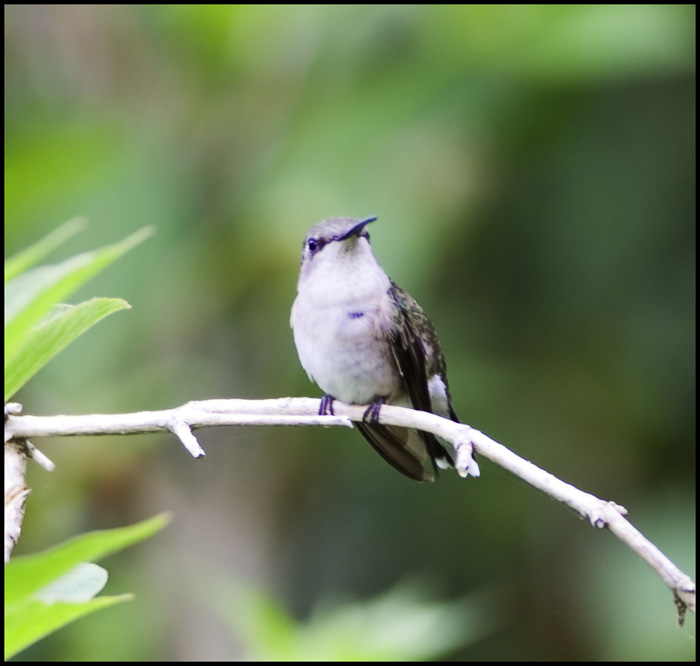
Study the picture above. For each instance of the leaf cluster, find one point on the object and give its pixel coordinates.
(46, 591)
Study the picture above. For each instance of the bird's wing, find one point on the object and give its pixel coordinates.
(410, 356)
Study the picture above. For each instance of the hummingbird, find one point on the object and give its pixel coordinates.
(364, 340)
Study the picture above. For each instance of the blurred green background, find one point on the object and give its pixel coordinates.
(533, 170)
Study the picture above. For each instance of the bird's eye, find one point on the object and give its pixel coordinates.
(313, 245)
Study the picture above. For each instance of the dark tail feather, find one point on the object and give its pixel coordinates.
(390, 442)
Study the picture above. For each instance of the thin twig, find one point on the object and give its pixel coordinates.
(182, 420)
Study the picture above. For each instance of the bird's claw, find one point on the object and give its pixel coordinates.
(371, 414)
(326, 408)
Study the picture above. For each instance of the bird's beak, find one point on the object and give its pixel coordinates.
(358, 228)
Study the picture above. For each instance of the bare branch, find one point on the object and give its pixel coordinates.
(15, 493)
(304, 411)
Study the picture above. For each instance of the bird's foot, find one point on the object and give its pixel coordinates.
(326, 408)
(371, 414)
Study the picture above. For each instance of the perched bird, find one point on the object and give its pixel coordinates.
(364, 340)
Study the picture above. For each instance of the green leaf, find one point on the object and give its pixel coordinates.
(35, 253)
(33, 620)
(43, 342)
(31, 295)
(47, 590)
(27, 574)
(81, 583)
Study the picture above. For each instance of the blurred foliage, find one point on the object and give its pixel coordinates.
(533, 170)
(45, 591)
(37, 324)
(399, 625)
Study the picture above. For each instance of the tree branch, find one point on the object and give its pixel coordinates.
(181, 421)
